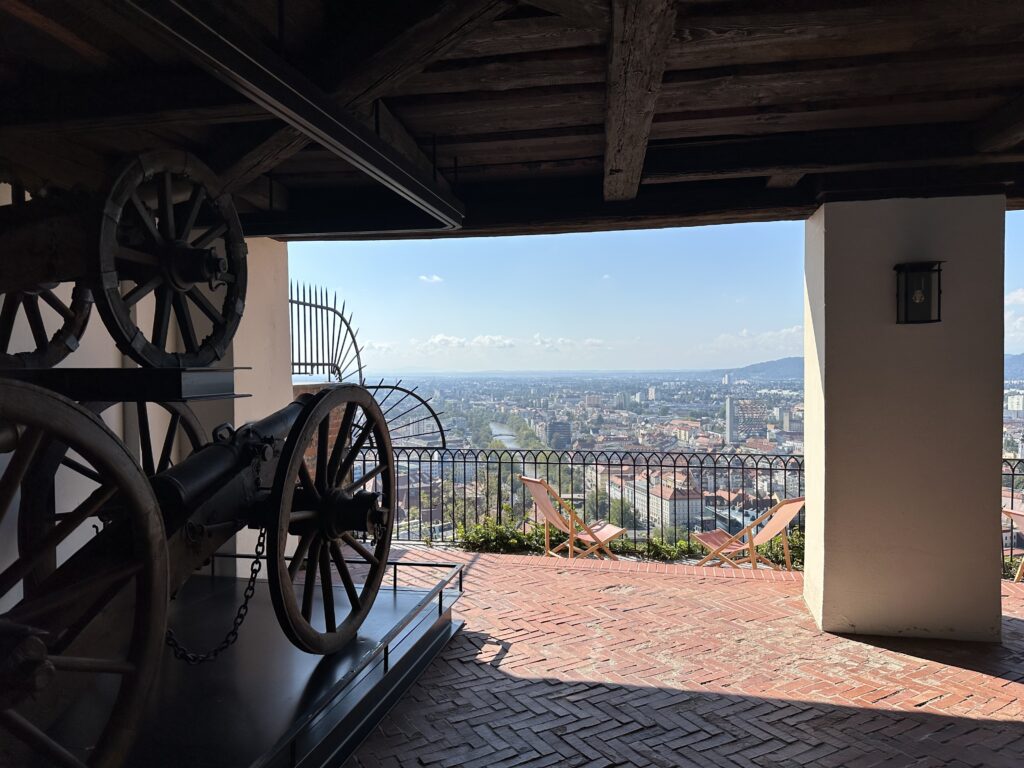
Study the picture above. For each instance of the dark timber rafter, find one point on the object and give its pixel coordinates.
(786, 158)
(1003, 129)
(640, 34)
(263, 77)
(405, 55)
(590, 12)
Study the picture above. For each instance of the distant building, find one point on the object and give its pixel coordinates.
(651, 393)
(559, 435)
(744, 418)
(620, 400)
(725, 379)
(638, 397)
(1015, 403)
(592, 401)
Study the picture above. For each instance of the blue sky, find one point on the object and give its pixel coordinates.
(696, 297)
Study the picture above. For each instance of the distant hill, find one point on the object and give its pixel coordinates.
(1013, 367)
(793, 368)
(775, 370)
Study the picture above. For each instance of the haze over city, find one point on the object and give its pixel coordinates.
(692, 298)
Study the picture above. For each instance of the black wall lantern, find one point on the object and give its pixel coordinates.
(919, 292)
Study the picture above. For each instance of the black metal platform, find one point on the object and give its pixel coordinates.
(266, 703)
(128, 385)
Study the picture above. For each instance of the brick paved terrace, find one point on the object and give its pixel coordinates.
(637, 664)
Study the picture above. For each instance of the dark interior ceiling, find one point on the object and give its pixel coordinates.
(547, 116)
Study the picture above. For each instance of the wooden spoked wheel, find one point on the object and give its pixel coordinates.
(52, 326)
(335, 492)
(79, 650)
(168, 232)
(55, 465)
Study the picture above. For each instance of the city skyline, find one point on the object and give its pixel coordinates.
(669, 299)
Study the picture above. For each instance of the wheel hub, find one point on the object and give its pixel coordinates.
(340, 512)
(185, 267)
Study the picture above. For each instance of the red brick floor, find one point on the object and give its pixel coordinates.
(638, 665)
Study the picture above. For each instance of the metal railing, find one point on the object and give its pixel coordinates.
(1013, 500)
(655, 496)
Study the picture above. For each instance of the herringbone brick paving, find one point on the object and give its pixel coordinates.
(623, 664)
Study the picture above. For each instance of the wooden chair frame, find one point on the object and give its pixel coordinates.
(752, 556)
(570, 545)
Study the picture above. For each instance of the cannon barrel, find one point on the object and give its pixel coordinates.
(186, 486)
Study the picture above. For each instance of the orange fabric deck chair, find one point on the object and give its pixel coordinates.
(726, 548)
(584, 539)
(1017, 518)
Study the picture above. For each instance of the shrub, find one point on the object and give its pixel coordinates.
(502, 538)
(1010, 566)
(773, 550)
(657, 548)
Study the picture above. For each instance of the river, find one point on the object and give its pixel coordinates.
(504, 433)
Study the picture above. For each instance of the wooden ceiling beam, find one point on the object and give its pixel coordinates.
(404, 55)
(640, 34)
(537, 207)
(593, 13)
(212, 42)
(1001, 130)
(785, 156)
(56, 30)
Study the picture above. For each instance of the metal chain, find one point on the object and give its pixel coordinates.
(190, 657)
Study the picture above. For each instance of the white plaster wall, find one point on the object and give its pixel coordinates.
(903, 422)
(262, 343)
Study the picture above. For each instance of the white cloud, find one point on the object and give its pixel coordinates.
(545, 342)
(783, 342)
(496, 342)
(379, 346)
(1014, 297)
(444, 341)
(431, 279)
(606, 277)
(593, 343)
(1013, 331)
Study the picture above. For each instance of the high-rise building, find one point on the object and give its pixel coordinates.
(651, 393)
(592, 401)
(725, 379)
(559, 435)
(1015, 403)
(744, 418)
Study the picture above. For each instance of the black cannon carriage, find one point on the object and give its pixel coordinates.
(107, 532)
(102, 610)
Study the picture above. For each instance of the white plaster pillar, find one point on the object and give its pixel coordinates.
(263, 344)
(903, 422)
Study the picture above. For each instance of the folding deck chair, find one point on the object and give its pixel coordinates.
(725, 547)
(595, 536)
(1017, 518)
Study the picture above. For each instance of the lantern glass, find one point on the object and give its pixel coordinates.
(919, 292)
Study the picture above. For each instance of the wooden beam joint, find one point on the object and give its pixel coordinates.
(640, 34)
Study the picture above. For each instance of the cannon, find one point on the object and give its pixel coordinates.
(85, 598)
(163, 228)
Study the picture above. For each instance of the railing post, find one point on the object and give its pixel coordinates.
(498, 491)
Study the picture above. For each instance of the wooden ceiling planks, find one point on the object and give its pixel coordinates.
(517, 102)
